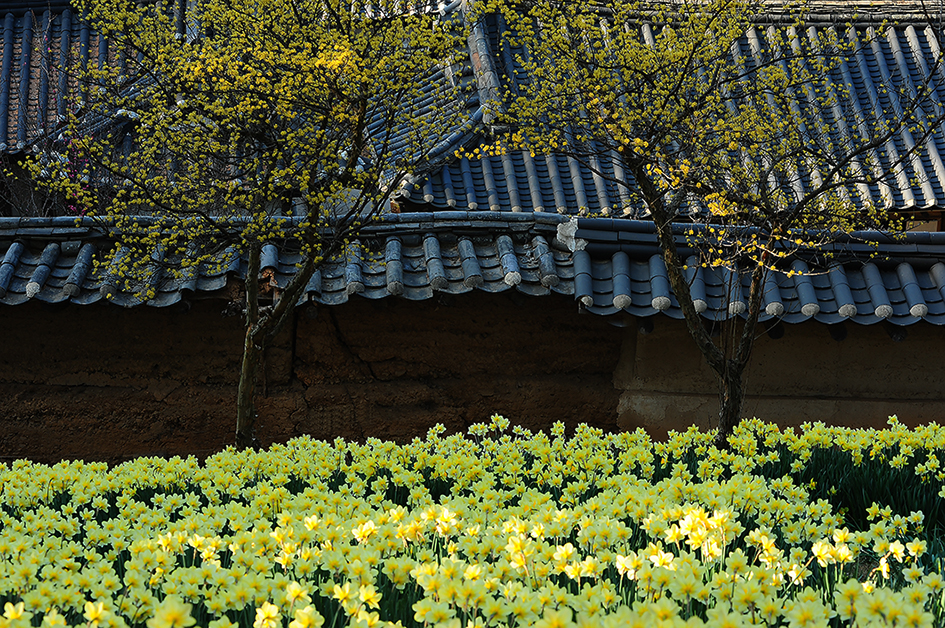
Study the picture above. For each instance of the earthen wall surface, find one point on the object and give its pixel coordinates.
(805, 375)
(101, 382)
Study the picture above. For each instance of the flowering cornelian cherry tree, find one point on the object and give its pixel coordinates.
(242, 122)
(739, 122)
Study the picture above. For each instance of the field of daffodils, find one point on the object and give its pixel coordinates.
(818, 526)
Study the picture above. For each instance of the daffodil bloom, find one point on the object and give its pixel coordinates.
(472, 572)
(808, 614)
(843, 553)
(343, 593)
(369, 595)
(172, 613)
(95, 613)
(916, 547)
(13, 612)
(898, 550)
(267, 616)
(823, 552)
(659, 558)
(307, 617)
(296, 594)
(364, 531)
(561, 618)
(563, 553)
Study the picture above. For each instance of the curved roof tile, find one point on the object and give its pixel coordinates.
(416, 256)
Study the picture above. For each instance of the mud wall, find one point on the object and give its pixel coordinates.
(857, 377)
(101, 382)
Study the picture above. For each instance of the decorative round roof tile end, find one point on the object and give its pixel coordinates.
(622, 301)
(810, 309)
(513, 278)
(884, 311)
(775, 309)
(919, 310)
(660, 304)
(550, 281)
(700, 305)
(736, 307)
(847, 311)
(473, 281)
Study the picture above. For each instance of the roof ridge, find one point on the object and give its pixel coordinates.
(20, 7)
(861, 11)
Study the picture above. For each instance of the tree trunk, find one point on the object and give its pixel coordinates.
(261, 330)
(263, 326)
(245, 402)
(729, 366)
(731, 397)
(246, 395)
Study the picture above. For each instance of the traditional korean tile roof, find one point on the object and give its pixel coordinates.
(615, 267)
(897, 61)
(414, 256)
(495, 223)
(42, 42)
(36, 38)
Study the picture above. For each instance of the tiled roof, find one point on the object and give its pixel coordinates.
(518, 181)
(39, 39)
(491, 223)
(413, 256)
(35, 39)
(881, 75)
(34, 42)
(616, 267)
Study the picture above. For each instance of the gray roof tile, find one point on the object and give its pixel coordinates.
(517, 181)
(896, 288)
(484, 257)
(505, 242)
(33, 96)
